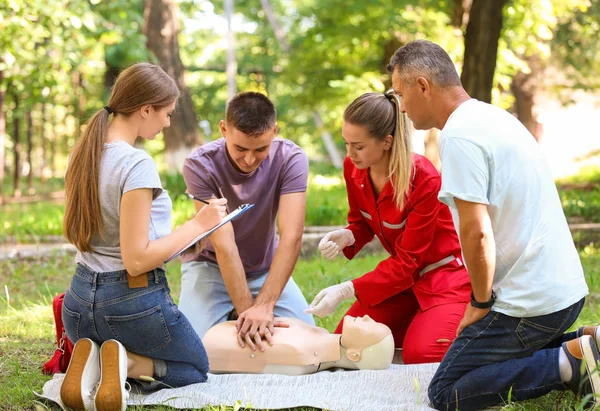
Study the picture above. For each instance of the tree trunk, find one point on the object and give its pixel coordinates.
(16, 147)
(44, 143)
(110, 76)
(53, 144)
(2, 135)
(431, 150)
(524, 88)
(231, 68)
(161, 27)
(389, 49)
(334, 154)
(29, 134)
(460, 13)
(481, 48)
(81, 101)
(279, 33)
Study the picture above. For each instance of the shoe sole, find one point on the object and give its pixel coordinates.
(593, 372)
(109, 396)
(70, 391)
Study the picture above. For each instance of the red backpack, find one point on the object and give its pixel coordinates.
(60, 360)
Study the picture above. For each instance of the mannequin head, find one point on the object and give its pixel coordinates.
(368, 344)
(302, 348)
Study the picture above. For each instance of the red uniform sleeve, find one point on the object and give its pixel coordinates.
(400, 271)
(363, 234)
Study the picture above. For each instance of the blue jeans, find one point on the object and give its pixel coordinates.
(501, 354)
(206, 301)
(101, 306)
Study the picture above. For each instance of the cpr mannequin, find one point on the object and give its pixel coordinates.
(302, 348)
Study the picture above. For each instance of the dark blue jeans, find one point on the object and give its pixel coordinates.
(501, 354)
(101, 306)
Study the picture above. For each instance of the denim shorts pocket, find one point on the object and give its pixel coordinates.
(535, 335)
(142, 333)
(71, 321)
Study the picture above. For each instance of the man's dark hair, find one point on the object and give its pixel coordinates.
(251, 113)
(426, 59)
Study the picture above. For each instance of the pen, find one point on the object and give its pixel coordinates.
(198, 199)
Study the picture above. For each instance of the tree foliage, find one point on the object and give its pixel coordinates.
(59, 58)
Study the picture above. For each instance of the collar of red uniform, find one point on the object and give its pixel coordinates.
(361, 179)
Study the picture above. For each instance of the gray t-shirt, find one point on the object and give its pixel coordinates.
(208, 172)
(124, 168)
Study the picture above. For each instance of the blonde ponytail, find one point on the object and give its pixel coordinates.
(401, 157)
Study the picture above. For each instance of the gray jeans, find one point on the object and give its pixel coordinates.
(205, 301)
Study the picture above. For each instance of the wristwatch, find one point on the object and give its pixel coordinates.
(485, 305)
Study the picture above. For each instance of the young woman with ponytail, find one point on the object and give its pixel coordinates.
(119, 218)
(422, 289)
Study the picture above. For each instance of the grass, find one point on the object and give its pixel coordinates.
(326, 198)
(587, 175)
(27, 328)
(41, 221)
(38, 186)
(582, 205)
(28, 286)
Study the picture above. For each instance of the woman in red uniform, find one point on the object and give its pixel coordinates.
(422, 289)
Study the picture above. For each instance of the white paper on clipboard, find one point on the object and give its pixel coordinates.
(235, 213)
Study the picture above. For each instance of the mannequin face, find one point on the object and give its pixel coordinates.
(361, 332)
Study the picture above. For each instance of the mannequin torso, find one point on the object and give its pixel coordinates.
(302, 349)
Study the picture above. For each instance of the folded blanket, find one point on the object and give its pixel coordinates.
(401, 387)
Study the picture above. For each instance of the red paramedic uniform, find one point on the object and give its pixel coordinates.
(422, 289)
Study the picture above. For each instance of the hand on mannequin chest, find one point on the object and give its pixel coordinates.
(302, 348)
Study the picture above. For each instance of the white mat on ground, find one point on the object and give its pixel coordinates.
(402, 387)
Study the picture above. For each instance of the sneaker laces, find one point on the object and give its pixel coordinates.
(127, 388)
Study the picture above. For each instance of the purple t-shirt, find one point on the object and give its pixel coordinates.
(208, 172)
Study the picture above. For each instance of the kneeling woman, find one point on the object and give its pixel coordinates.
(119, 218)
(422, 289)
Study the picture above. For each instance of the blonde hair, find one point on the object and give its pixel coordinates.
(380, 114)
(139, 85)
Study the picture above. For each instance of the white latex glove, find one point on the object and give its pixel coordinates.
(329, 298)
(335, 241)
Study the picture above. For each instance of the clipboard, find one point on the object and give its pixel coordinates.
(234, 214)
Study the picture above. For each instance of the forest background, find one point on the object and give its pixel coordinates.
(538, 59)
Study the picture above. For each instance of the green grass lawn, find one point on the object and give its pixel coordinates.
(42, 221)
(27, 329)
(326, 199)
(27, 287)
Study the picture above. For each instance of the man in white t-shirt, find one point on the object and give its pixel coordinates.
(527, 279)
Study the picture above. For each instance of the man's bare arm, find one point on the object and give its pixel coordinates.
(290, 223)
(479, 250)
(230, 265)
(258, 321)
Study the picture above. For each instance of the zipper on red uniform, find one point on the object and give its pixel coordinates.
(382, 238)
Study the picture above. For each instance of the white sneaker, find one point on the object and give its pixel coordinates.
(82, 376)
(112, 394)
(591, 330)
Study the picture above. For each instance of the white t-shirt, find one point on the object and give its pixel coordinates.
(489, 157)
(124, 168)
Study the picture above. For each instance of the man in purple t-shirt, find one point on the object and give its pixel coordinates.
(245, 270)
